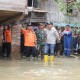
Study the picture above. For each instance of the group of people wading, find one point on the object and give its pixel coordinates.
(43, 41)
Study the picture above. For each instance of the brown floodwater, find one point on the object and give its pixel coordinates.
(60, 69)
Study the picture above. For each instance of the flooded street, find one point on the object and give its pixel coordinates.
(60, 69)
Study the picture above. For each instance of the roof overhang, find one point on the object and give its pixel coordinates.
(8, 15)
(12, 5)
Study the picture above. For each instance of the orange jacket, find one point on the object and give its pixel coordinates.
(29, 38)
(7, 34)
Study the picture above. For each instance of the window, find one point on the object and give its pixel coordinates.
(33, 3)
(30, 3)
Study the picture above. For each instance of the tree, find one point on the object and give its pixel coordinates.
(61, 5)
(68, 7)
(78, 5)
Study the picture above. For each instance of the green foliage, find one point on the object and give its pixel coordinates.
(78, 5)
(69, 9)
(61, 5)
(56, 0)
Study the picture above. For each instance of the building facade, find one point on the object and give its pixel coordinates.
(11, 8)
(10, 12)
(30, 11)
(36, 13)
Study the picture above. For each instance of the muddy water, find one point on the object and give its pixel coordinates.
(60, 69)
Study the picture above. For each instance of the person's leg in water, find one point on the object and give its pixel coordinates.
(69, 46)
(46, 49)
(3, 50)
(42, 53)
(57, 47)
(8, 50)
(65, 47)
(75, 45)
(28, 52)
(34, 53)
(22, 46)
(52, 47)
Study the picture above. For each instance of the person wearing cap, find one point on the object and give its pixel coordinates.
(67, 33)
(51, 37)
(40, 39)
(7, 34)
(30, 42)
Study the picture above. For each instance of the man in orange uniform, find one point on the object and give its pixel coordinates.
(7, 34)
(30, 42)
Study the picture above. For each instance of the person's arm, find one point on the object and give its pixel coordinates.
(22, 30)
(57, 35)
(70, 33)
(35, 39)
(21, 27)
(45, 35)
(64, 33)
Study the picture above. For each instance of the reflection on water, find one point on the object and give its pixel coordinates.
(60, 69)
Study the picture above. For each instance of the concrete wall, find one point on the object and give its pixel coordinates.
(13, 5)
(17, 6)
(76, 20)
(53, 15)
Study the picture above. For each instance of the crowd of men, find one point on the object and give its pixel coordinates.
(44, 41)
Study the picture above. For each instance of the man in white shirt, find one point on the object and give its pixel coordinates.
(51, 37)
